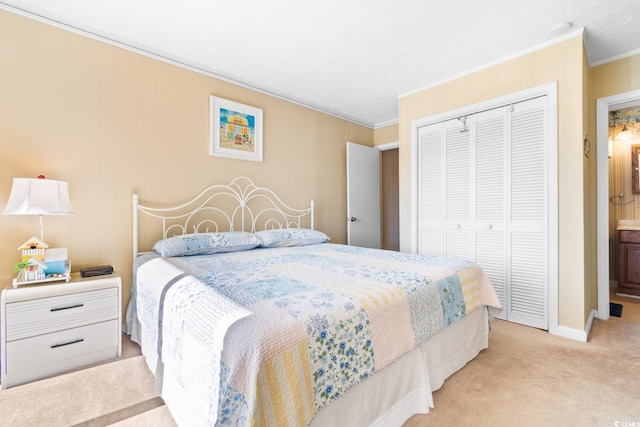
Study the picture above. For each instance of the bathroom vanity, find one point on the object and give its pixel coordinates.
(629, 257)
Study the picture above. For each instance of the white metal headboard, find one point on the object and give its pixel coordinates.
(241, 206)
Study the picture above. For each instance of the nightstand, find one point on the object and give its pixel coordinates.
(51, 328)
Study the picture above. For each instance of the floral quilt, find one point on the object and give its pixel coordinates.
(272, 336)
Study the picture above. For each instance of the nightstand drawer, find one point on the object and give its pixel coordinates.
(40, 316)
(43, 355)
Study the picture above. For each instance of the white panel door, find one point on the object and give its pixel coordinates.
(363, 196)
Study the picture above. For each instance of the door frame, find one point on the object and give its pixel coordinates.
(388, 146)
(602, 189)
(550, 90)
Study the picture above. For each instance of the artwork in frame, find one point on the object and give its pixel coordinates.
(236, 130)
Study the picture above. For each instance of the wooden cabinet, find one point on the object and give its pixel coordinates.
(52, 328)
(629, 262)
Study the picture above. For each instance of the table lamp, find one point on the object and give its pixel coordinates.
(39, 196)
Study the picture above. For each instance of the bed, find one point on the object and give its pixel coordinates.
(247, 315)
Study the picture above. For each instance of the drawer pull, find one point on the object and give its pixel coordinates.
(68, 343)
(67, 308)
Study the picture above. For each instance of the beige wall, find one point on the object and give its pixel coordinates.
(385, 135)
(562, 62)
(112, 122)
(589, 169)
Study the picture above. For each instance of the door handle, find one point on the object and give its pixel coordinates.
(352, 219)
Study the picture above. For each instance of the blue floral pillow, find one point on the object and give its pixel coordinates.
(290, 237)
(206, 243)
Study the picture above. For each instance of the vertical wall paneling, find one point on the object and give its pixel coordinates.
(111, 122)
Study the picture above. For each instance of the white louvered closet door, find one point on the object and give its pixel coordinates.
(490, 166)
(430, 190)
(482, 196)
(457, 190)
(528, 219)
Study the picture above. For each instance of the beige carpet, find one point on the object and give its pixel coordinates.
(97, 396)
(527, 377)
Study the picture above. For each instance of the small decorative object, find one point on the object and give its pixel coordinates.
(236, 130)
(33, 248)
(34, 271)
(20, 269)
(587, 146)
(40, 264)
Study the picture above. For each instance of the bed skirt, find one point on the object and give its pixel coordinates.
(390, 397)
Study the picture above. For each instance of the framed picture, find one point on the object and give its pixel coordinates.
(236, 130)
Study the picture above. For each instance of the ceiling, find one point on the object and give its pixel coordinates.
(348, 58)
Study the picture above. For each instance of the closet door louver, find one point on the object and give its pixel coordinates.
(430, 193)
(528, 261)
(457, 187)
(490, 196)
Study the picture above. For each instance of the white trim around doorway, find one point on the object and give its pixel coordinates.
(388, 146)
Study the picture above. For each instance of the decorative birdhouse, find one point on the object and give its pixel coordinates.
(33, 248)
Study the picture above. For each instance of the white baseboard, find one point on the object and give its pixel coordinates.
(577, 334)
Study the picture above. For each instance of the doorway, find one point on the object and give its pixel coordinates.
(389, 196)
(603, 106)
(373, 204)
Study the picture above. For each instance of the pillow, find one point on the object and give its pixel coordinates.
(206, 243)
(290, 237)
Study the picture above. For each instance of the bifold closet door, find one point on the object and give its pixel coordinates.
(527, 298)
(445, 190)
(490, 197)
(482, 196)
(458, 215)
(430, 190)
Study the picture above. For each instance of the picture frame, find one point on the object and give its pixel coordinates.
(236, 130)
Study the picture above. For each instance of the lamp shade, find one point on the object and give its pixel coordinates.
(38, 196)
